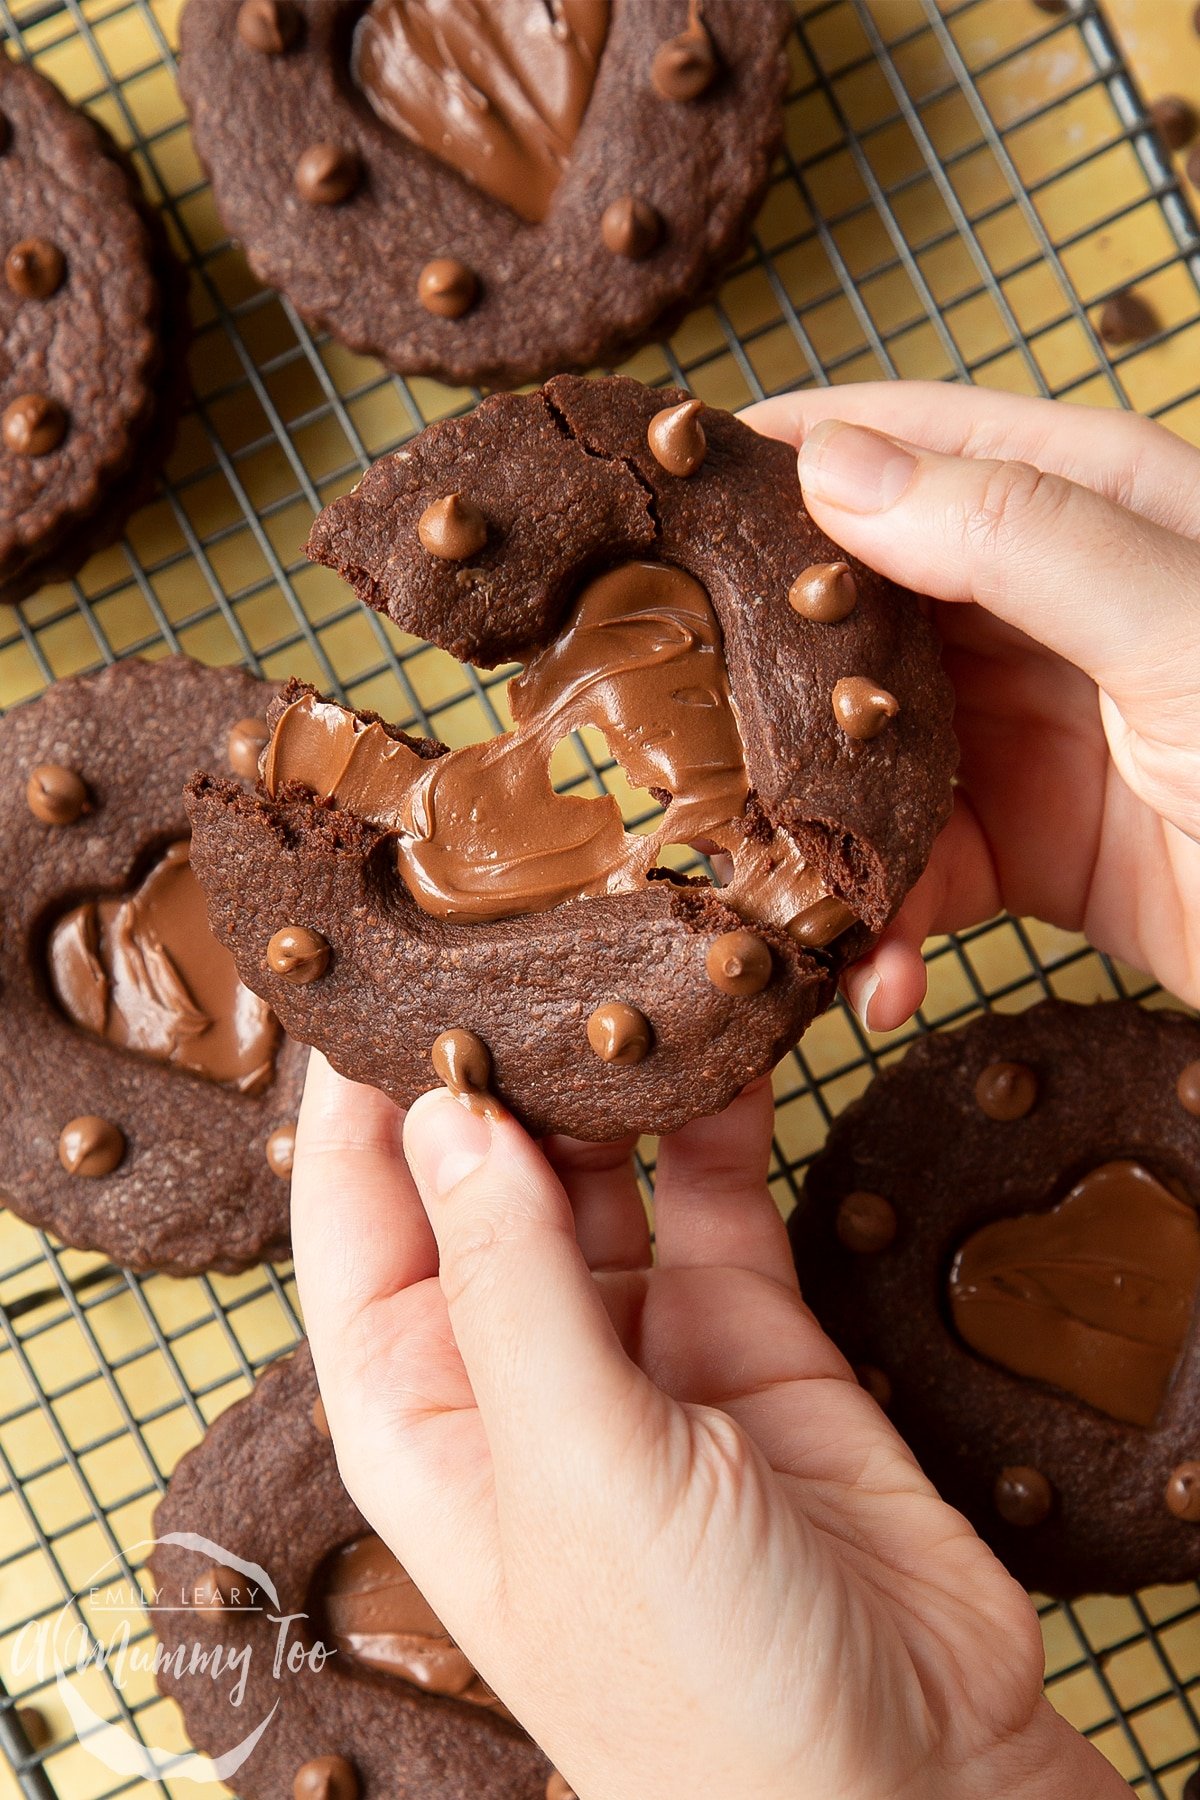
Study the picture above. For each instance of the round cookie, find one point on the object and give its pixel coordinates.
(93, 330)
(606, 166)
(453, 893)
(1030, 1314)
(263, 1486)
(145, 1095)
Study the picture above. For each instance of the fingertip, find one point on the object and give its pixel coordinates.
(445, 1141)
(338, 1115)
(886, 988)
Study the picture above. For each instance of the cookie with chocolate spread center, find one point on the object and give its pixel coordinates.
(488, 190)
(147, 1098)
(1031, 1309)
(418, 912)
(398, 1710)
(93, 331)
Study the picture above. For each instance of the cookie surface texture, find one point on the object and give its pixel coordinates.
(140, 1082)
(578, 201)
(1034, 1310)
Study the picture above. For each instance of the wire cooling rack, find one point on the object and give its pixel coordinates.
(963, 186)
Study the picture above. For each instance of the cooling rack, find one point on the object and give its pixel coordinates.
(963, 185)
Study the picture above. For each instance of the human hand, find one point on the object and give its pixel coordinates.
(1076, 532)
(652, 1505)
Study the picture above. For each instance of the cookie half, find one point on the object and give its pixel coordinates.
(93, 333)
(397, 1712)
(147, 1099)
(488, 190)
(1002, 1236)
(651, 563)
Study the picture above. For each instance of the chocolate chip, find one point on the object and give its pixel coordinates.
(866, 1223)
(825, 593)
(90, 1146)
(1023, 1496)
(1126, 318)
(1188, 1088)
(34, 269)
(452, 528)
(631, 227)
(1006, 1090)
(619, 1033)
(281, 1150)
(269, 26)
(676, 438)
(298, 954)
(327, 174)
(739, 963)
(245, 745)
(36, 1726)
(559, 1788)
(822, 922)
(325, 1778)
(447, 288)
(684, 67)
(1183, 1492)
(33, 425)
(56, 795)
(463, 1061)
(210, 1595)
(1175, 121)
(861, 708)
(319, 1419)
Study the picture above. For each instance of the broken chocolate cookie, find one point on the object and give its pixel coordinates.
(640, 554)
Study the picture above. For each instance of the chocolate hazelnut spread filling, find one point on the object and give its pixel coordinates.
(378, 1618)
(496, 88)
(143, 971)
(1094, 1296)
(480, 832)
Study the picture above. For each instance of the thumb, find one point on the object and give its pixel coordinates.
(1110, 591)
(531, 1326)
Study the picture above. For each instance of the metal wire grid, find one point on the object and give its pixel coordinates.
(905, 233)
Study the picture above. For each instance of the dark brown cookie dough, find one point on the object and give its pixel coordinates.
(93, 331)
(132, 1150)
(263, 1486)
(342, 203)
(1033, 1311)
(561, 508)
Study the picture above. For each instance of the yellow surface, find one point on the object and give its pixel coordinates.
(827, 237)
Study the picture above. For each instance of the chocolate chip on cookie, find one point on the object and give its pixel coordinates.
(647, 593)
(501, 188)
(93, 331)
(1036, 1317)
(143, 1089)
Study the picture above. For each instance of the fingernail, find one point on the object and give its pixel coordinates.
(862, 985)
(859, 470)
(445, 1142)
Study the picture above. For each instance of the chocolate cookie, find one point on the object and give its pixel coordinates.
(650, 561)
(147, 1099)
(488, 190)
(398, 1713)
(93, 331)
(1002, 1236)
